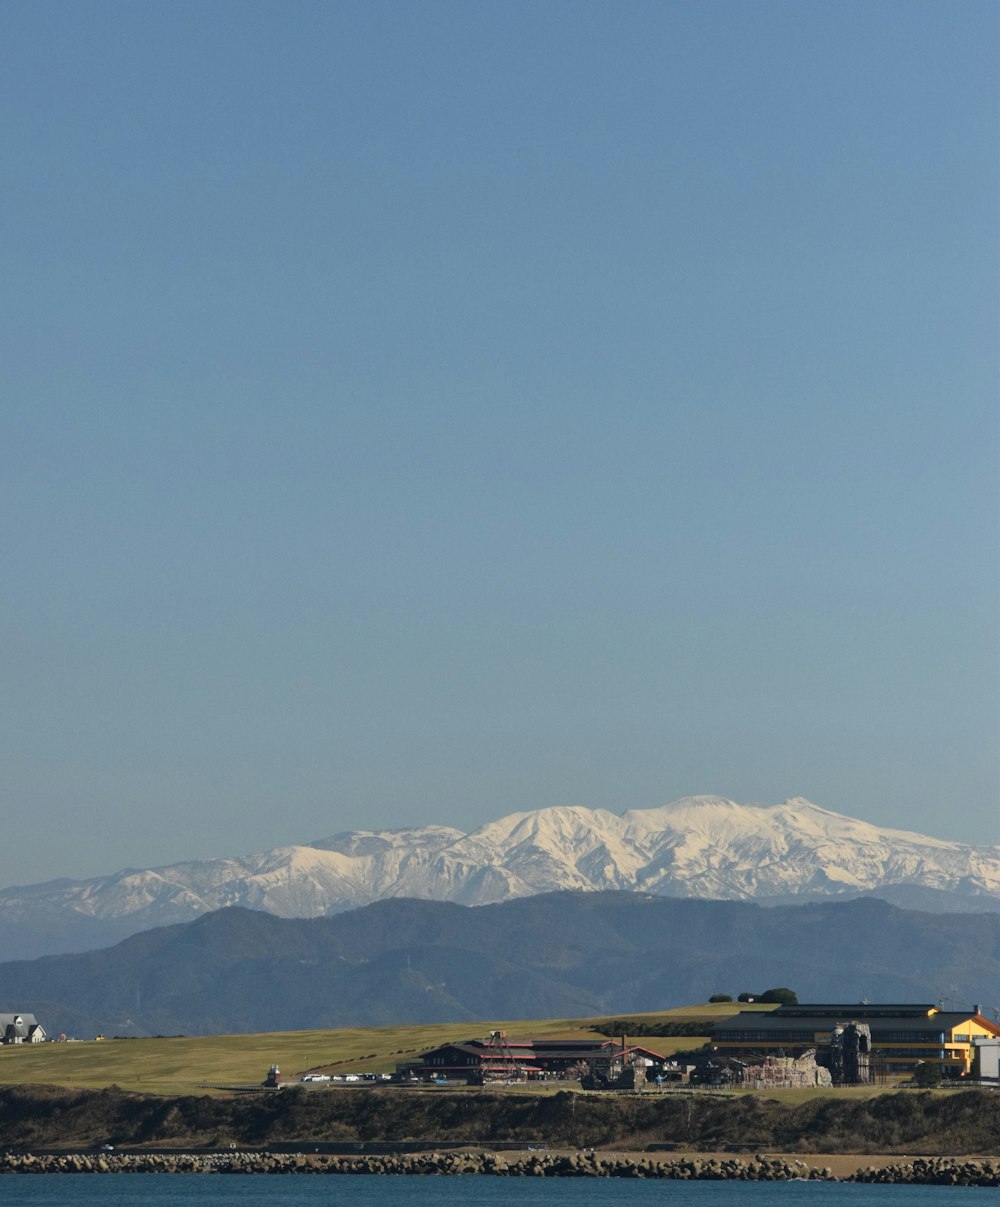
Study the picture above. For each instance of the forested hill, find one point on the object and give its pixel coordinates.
(556, 955)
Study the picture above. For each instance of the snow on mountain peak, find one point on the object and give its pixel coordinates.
(697, 846)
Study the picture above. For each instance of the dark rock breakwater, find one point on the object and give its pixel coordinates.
(933, 1171)
(545, 1165)
(940, 1171)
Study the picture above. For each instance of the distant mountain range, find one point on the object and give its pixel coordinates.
(553, 955)
(700, 846)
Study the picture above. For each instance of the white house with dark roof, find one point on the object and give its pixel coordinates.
(21, 1029)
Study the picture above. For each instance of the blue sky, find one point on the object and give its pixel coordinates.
(414, 413)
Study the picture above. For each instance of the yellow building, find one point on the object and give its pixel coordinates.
(902, 1035)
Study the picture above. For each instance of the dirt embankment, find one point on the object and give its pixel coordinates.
(960, 1123)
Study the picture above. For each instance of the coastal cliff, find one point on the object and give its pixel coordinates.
(44, 1117)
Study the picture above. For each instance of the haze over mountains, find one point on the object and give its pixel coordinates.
(554, 955)
(698, 847)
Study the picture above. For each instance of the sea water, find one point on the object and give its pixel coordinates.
(371, 1190)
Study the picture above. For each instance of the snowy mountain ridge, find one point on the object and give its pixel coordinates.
(699, 846)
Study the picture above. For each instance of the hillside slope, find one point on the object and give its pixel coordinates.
(553, 955)
(966, 1122)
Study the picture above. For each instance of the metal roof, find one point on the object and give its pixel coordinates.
(939, 1022)
(859, 1010)
(537, 1050)
(28, 1020)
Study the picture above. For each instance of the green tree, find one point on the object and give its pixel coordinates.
(927, 1074)
(720, 997)
(784, 997)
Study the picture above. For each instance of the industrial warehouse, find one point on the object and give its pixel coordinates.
(860, 1042)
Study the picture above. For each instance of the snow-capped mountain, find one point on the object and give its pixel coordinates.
(700, 846)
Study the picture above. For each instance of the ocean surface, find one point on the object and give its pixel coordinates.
(367, 1190)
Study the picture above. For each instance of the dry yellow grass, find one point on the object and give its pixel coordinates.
(185, 1065)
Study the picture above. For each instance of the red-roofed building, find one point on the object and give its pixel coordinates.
(479, 1060)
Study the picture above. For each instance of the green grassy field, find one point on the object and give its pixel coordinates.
(185, 1065)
